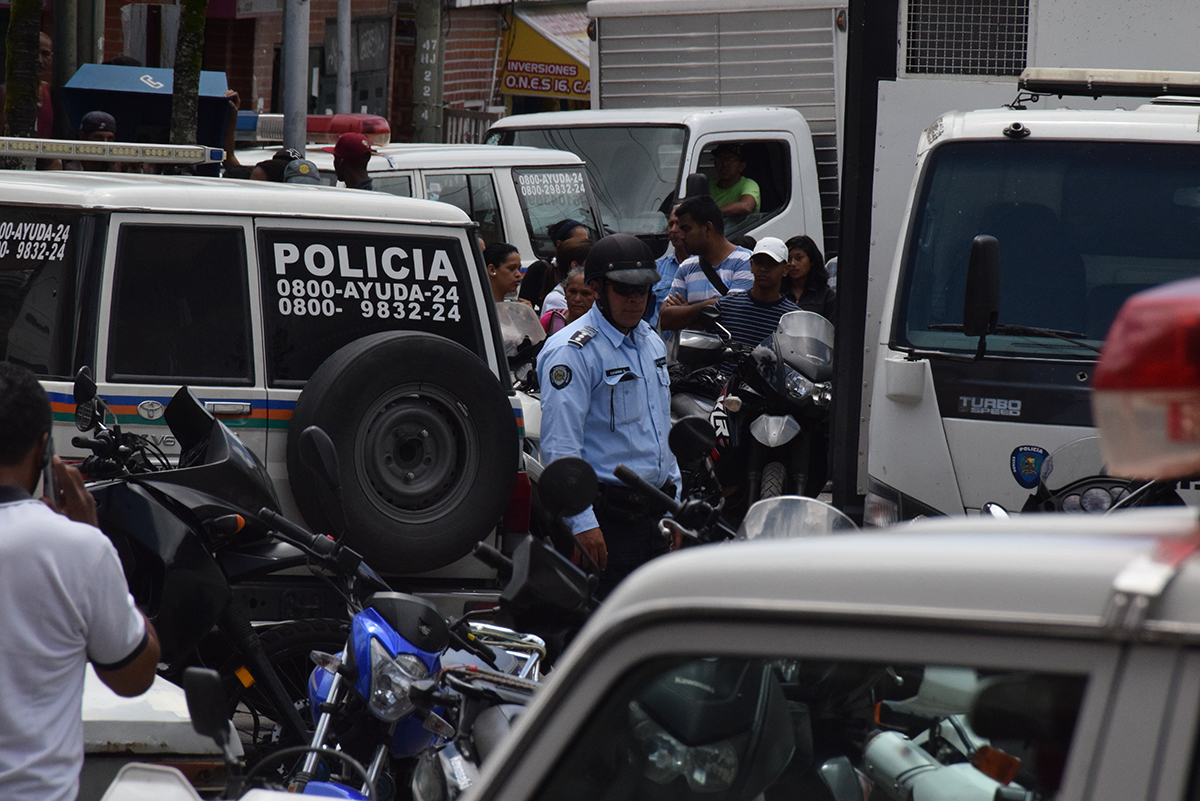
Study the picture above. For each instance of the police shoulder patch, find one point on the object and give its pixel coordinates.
(581, 338)
(560, 376)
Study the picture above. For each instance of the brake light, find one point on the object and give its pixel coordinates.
(1146, 390)
(516, 519)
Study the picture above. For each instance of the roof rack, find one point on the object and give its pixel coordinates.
(86, 150)
(1100, 83)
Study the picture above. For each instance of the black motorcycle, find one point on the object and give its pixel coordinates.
(188, 534)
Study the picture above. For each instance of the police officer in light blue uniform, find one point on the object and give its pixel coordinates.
(606, 399)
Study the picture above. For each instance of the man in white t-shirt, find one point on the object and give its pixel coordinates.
(65, 603)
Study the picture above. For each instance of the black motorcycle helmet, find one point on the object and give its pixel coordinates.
(621, 258)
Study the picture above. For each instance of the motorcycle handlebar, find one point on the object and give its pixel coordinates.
(297, 535)
(646, 489)
(494, 559)
(93, 445)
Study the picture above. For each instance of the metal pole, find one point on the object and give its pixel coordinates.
(98, 8)
(295, 73)
(85, 36)
(344, 30)
(871, 57)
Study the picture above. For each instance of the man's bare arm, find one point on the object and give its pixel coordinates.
(743, 205)
(137, 676)
(674, 318)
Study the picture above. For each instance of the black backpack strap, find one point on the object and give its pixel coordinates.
(710, 273)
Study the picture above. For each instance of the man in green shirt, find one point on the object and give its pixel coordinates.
(734, 193)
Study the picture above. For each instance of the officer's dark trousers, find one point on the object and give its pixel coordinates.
(632, 539)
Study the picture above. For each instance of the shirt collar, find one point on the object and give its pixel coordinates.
(10, 493)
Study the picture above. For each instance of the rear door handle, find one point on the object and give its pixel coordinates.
(228, 408)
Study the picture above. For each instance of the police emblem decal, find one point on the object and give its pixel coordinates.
(560, 376)
(1026, 464)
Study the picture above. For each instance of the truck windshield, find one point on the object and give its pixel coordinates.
(1081, 227)
(550, 196)
(633, 170)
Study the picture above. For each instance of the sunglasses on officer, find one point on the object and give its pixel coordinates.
(629, 290)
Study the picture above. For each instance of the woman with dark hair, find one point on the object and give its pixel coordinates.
(571, 253)
(504, 269)
(807, 282)
(544, 276)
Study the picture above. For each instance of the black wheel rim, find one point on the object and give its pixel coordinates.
(416, 453)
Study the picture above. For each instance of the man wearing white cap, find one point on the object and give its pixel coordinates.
(753, 315)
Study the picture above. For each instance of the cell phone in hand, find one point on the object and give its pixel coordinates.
(49, 477)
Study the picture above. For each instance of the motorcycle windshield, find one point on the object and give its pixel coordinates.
(804, 340)
(519, 327)
(1078, 459)
(790, 516)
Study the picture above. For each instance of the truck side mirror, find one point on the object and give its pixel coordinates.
(696, 184)
(981, 303)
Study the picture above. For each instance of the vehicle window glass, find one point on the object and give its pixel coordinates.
(633, 169)
(400, 185)
(475, 194)
(744, 728)
(324, 289)
(549, 197)
(768, 166)
(1081, 226)
(181, 309)
(38, 269)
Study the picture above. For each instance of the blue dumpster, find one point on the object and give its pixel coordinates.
(140, 100)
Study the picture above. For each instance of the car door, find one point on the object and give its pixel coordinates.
(666, 710)
(177, 308)
(475, 193)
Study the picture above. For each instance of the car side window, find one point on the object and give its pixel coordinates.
(399, 185)
(726, 727)
(181, 309)
(473, 193)
(767, 164)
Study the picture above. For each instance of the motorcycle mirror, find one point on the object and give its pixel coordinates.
(207, 703)
(981, 302)
(692, 438)
(319, 455)
(568, 486)
(85, 414)
(85, 387)
(696, 184)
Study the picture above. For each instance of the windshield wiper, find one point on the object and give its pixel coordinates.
(1074, 337)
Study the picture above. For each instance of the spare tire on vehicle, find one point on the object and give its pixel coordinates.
(427, 445)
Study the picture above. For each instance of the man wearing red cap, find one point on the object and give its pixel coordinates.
(350, 157)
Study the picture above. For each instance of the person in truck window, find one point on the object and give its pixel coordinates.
(736, 194)
(807, 282)
(66, 603)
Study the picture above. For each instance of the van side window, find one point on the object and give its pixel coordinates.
(474, 194)
(38, 270)
(181, 306)
(767, 164)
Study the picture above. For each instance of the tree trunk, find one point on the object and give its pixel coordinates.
(21, 70)
(189, 56)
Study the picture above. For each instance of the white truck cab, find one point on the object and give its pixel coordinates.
(517, 195)
(1088, 207)
(638, 161)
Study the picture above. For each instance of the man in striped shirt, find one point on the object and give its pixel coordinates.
(750, 317)
(703, 229)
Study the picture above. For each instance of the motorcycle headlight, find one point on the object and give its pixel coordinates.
(706, 768)
(391, 676)
(798, 387)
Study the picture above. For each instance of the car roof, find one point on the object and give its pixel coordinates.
(132, 192)
(433, 157)
(758, 117)
(1157, 122)
(1049, 572)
